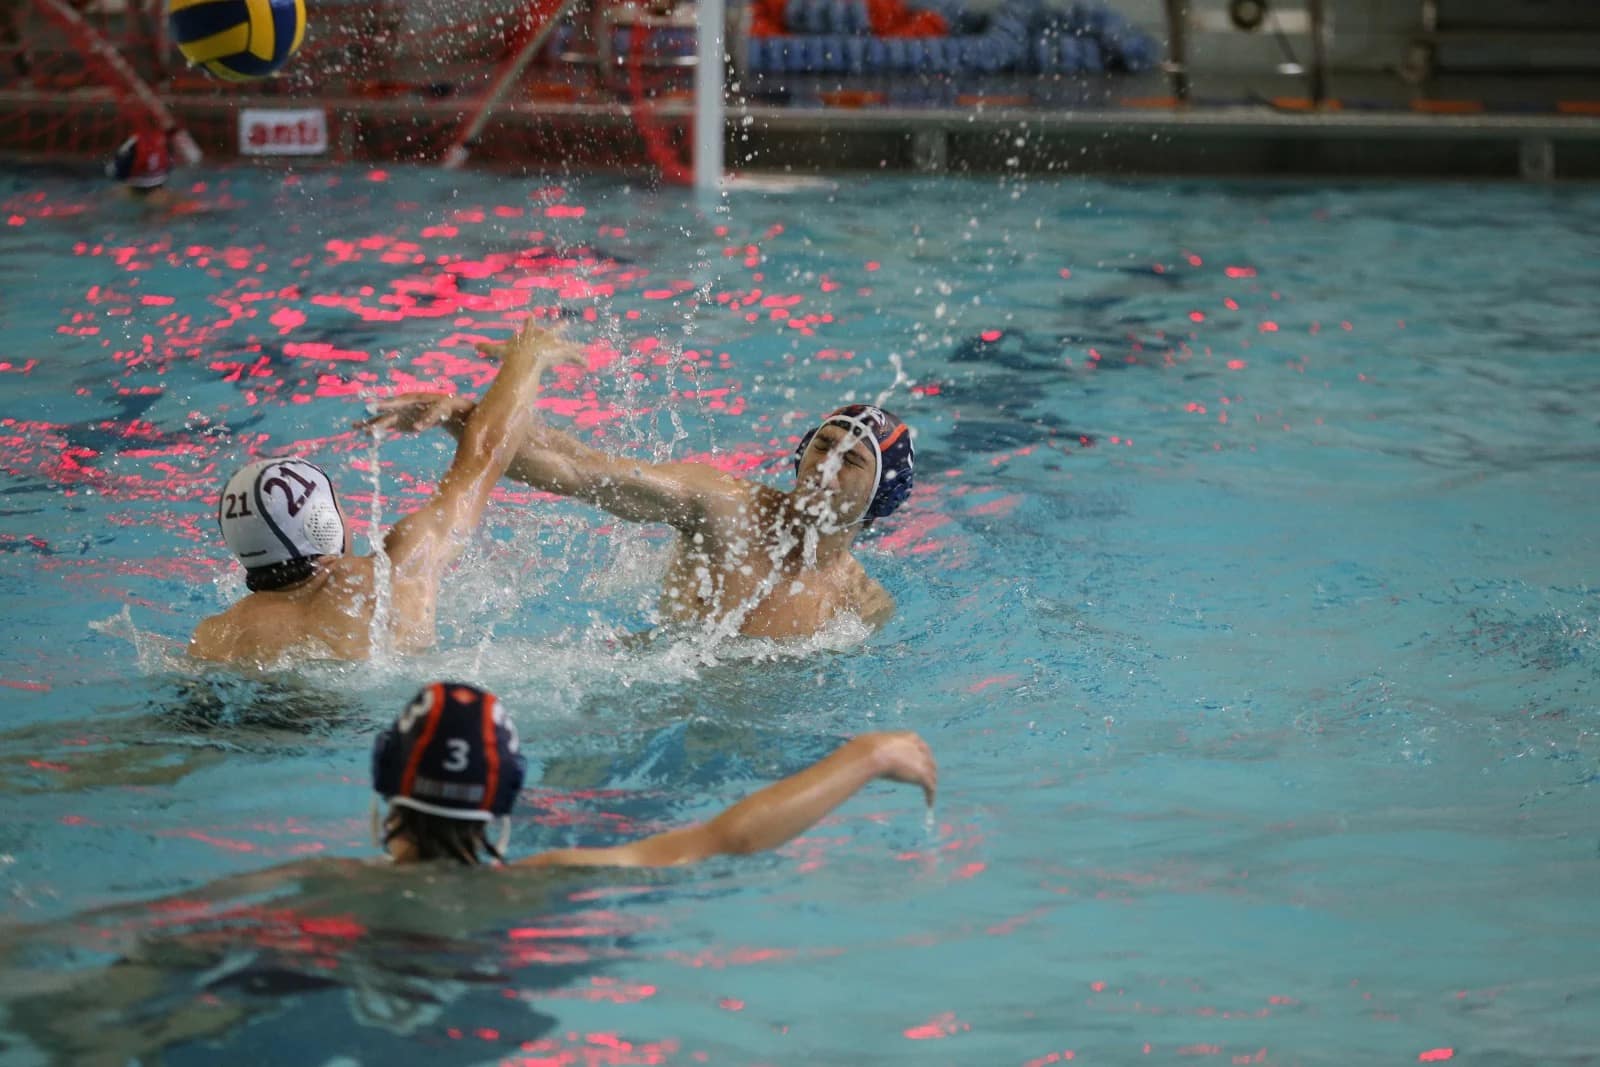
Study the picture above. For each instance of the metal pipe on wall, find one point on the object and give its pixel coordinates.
(1319, 52)
(710, 119)
(1177, 63)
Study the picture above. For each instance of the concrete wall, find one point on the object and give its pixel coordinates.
(1371, 36)
(1368, 35)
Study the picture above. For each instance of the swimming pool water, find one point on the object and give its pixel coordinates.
(1245, 598)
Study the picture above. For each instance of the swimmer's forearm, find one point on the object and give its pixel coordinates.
(763, 820)
(495, 425)
(422, 543)
(552, 461)
(785, 809)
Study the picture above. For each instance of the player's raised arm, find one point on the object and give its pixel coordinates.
(423, 543)
(554, 461)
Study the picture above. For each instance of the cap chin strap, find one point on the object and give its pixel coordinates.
(441, 811)
(502, 837)
(863, 432)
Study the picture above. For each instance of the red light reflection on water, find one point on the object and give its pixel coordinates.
(589, 1050)
(998, 679)
(600, 990)
(1436, 1055)
(941, 1026)
(1051, 1057)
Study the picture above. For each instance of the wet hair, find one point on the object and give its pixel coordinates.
(436, 837)
(276, 576)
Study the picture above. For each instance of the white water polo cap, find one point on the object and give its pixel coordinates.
(277, 516)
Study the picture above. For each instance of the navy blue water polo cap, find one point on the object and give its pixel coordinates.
(453, 752)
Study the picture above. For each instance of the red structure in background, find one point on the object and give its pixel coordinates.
(397, 81)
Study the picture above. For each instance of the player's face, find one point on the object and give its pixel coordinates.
(841, 466)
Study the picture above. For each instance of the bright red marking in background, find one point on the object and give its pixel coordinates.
(32, 687)
(731, 1004)
(991, 336)
(44, 765)
(943, 1025)
(1240, 272)
(377, 175)
(1237, 364)
(1436, 1055)
(1197, 316)
(1269, 327)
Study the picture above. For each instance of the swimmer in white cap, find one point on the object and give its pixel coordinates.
(308, 593)
(750, 559)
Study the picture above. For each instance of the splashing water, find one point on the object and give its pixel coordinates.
(153, 653)
(380, 637)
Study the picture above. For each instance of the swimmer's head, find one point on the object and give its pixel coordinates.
(279, 516)
(143, 161)
(448, 766)
(890, 442)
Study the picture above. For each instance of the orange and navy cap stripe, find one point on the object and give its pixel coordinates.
(429, 726)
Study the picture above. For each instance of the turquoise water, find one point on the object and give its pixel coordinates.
(1245, 599)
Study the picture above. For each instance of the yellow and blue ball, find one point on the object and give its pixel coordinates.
(238, 40)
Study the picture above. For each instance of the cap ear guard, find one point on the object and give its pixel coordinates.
(324, 528)
(388, 763)
(894, 490)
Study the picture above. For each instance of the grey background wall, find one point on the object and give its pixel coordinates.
(1368, 35)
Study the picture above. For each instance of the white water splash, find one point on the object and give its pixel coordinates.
(154, 653)
(380, 638)
(900, 378)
